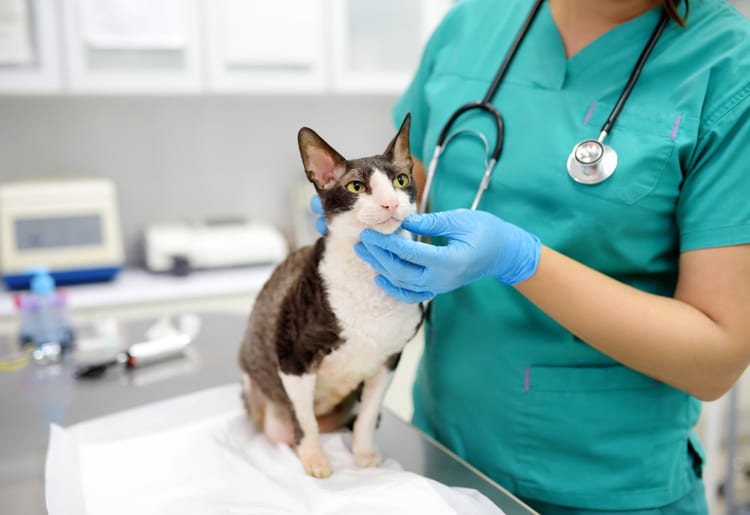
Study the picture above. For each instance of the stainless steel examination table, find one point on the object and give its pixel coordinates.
(36, 395)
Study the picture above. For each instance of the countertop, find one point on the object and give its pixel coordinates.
(138, 286)
(34, 396)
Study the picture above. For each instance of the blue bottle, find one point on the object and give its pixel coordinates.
(44, 314)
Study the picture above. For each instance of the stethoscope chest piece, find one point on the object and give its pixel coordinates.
(591, 162)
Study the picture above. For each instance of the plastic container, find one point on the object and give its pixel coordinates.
(44, 314)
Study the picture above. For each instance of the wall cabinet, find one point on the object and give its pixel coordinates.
(261, 46)
(29, 47)
(377, 44)
(213, 46)
(134, 46)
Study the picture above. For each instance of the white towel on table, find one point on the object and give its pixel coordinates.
(198, 454)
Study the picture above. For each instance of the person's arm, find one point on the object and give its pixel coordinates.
(698, 341)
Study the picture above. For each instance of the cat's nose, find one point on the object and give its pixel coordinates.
(390, 205)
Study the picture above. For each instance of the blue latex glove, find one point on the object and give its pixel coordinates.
(479, 245)
(317, 207)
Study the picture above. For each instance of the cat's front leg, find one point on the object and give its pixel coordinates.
(301, 392)
(363, 437)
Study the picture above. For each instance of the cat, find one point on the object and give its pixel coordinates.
(322, 338)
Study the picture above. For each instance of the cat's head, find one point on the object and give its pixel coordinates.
(376, 192)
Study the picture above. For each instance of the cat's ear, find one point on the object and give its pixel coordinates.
(323, 165)
(398, 149)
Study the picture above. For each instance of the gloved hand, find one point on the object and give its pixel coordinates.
(479, 245)
(317, 207)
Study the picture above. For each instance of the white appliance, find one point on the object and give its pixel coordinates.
(180, 247)
(71, 227)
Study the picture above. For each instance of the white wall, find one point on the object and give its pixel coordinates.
(185, 157)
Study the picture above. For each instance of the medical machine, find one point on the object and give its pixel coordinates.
(180, 247)
(70, 227)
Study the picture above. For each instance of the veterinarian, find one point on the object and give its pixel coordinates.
(578, 316)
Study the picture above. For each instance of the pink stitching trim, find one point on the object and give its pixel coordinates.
(588, 115)
(676, 125)
(526, 379)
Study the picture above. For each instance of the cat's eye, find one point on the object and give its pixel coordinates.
(402, 181)
(355, 187)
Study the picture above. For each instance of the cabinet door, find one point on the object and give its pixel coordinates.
(268, 47)
(29, 57)
(132, 46)
(377, 45)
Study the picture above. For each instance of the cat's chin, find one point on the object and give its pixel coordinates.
(389, 226)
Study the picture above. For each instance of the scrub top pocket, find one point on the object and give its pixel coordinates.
(601, 436)
(644, 144)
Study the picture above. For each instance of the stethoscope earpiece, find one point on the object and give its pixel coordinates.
(591, 162)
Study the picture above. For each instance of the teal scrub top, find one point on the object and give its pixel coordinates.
(502, 384)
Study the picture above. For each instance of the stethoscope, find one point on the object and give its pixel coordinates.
(590, 162)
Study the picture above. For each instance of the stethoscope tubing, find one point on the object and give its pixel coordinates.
(495, 113)
(588, 171)
(633, 79)
(486, 105)
(483, 106)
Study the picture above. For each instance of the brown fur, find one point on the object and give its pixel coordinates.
(292, 327)
(291, 322)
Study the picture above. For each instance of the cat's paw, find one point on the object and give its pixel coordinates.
(316, 464)
(368, 458)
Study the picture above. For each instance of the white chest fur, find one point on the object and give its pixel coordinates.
(374, 326)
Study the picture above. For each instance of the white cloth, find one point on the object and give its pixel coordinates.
(198, 454)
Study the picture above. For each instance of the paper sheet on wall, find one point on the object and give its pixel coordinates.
(15, 33)
(133, 24)
(198, 454)
(282, 33)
